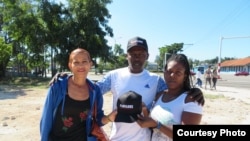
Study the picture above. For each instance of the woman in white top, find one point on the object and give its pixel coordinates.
(173, 106)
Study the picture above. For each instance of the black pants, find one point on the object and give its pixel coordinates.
(214, 82)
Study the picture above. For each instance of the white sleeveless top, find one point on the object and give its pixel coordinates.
(169, 113)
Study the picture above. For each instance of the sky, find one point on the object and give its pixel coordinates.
(208, 28)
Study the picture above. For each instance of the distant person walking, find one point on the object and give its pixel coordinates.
(214, 77)
(208, 76)
(198, 78)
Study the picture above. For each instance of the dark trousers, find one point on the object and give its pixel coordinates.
(214, 82)
(208, 80)
(199, 82)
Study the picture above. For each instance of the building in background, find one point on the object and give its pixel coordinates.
(237, 65)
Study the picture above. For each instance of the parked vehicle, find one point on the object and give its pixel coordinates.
(240, 73)
(202, 68)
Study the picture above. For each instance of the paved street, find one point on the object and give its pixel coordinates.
(227, 80)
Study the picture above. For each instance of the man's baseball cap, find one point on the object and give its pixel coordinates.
(129, 105)
(137, 41)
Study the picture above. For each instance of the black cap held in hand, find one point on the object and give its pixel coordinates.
(129, 105)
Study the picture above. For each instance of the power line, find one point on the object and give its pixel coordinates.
(225, 22)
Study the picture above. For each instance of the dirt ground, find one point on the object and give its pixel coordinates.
(21, 110)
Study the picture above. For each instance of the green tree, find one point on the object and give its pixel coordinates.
(117, 58)
(118, 50)
(23, 27)
(5, 53)
(36, 27)
(169, 49)
(82, 23)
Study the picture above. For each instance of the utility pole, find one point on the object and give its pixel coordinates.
(221, 39)
(165, 58)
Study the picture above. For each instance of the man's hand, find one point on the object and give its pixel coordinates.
(197, 95)
(57, 76)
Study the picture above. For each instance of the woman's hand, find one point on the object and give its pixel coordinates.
(146, 122)
(110, 117)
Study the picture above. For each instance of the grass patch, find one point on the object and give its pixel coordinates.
(213, 96)
(26, 82)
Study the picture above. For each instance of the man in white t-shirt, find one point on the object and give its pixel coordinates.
(135, 78)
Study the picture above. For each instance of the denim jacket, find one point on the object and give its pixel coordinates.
(56, 93)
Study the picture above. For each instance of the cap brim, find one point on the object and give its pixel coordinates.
(137, 46)
(128, 118)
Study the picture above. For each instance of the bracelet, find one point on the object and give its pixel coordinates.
(109, 119)
(158, 125)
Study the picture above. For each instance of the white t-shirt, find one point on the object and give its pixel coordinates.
(198, 74)
(146, 84)
(172, 113)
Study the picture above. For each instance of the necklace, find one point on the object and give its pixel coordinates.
(79, 86)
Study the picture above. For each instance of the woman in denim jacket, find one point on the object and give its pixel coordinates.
(67, 112)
